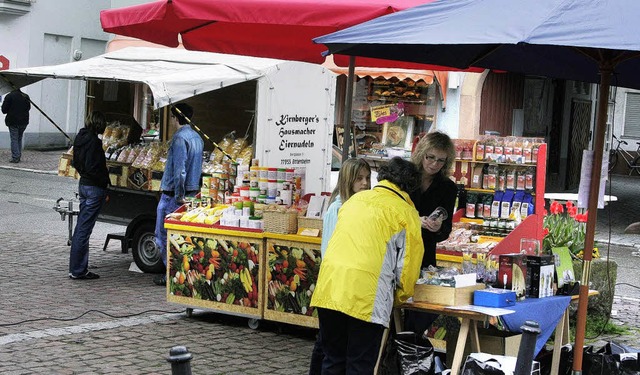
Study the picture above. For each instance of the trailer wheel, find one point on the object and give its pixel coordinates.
(253, 323)
(144, 250)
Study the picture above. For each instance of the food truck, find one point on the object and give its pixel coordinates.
(278, 112)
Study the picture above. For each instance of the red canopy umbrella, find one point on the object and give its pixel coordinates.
(281, 29)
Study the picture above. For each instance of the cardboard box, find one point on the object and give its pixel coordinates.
(445, 295)
(492, 341)
(494, 297)
(540, 271)
(512, 273)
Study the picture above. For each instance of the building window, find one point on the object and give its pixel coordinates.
(632, 116)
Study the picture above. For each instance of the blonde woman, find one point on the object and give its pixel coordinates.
(354, 176)
(434, 154)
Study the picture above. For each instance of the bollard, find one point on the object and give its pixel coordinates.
(180, 360)
(524, 362)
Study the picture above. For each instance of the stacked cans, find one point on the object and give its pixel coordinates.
(268, 185)
(216, 185)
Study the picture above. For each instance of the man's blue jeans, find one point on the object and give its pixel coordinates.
(166, 205)
(15, 134)
(92, 199)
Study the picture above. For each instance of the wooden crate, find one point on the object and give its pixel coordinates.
(445, 295)
(310, 223)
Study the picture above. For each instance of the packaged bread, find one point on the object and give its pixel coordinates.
(244, 157)
(217, 155)
(237, 146)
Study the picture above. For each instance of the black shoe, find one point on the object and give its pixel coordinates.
(86, 276)
(14, 161)
(160, 280)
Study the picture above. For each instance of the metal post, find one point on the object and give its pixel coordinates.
(530, 332)
(180, 360)
(70, 223)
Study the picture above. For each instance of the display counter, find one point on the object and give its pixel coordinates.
(249, 273)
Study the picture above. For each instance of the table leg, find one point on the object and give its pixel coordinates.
(462, 340)
(561, 335)
(385, 336)
(475, 339)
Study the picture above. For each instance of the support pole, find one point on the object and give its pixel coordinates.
(594, 190)
(348, 104)
(524, 362)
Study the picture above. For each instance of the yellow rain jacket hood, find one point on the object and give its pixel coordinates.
(373, 257)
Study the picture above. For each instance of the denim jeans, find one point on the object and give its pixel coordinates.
(166, 205)
(92, 199)
(15, 133)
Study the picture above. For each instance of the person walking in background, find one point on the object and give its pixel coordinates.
(181, 176)
(434, 154)
(354, 176)
(91, 164)
(372, 262)
(16, 106)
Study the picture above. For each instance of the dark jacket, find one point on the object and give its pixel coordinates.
(16, 105)
(441, 193)
(89, 159)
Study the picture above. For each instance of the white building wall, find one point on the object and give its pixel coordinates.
(49, 33)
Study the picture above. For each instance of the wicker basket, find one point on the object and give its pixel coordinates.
(280, 222)
(310, 222)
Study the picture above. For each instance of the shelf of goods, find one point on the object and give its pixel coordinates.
(246, 272)
(468, 171)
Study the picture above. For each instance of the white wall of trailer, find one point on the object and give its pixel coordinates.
(48, 32)
(295, 121)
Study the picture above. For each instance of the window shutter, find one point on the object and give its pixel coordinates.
(632, 116)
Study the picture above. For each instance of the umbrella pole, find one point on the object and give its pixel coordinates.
(592, 206)
(348, 102)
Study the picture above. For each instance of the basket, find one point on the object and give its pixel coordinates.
(280, 222)
(310, 222)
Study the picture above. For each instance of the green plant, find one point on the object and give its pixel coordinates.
(564, 228)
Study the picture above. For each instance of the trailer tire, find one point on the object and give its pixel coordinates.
(144, 250)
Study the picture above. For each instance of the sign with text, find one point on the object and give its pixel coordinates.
(295, 122)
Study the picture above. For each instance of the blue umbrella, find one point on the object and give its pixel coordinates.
(584, 40)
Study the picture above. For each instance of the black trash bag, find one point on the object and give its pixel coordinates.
(612, 359)
(415, 354)
(613, 347)
(407, 354)
(602, 361)
(474, 366)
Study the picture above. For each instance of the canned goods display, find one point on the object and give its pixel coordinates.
(272, 174)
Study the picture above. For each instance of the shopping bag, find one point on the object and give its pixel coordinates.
(474, 366)
(407, 353)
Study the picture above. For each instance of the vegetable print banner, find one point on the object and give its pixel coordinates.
(214, 269)
(291, 278)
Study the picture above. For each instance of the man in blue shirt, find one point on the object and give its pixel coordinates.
(181, 176)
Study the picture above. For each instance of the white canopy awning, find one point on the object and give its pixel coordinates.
(171, 74)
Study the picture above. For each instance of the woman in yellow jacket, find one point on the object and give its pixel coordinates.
(372, 260)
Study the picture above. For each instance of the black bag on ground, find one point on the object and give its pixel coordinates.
(611, 359)
(408, 354)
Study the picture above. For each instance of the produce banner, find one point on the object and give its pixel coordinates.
(220, 269)
(291, 276)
